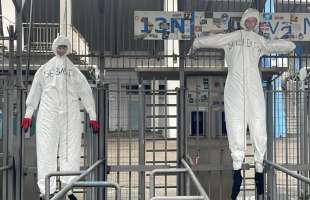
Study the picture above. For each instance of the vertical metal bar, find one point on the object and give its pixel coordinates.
(272, 184)
(118, 96)
(91, 155)
(94, 150)
(19, 85)
(130, 139)
(306, 161)
(188, 185)
(270, 141)
(182, 137)
(5, 138)
(102, 115)
(286, 150)
(11, 54)
(301, 127)
(29, 41)
(243, 183)
(86, 154)
(106, 129)
(296, 89)
(19, 149)
(154, 117)
(308, 128)
(19, 45)
(8, 176)
(141, 141)
(165, 130)
(152, 185)
(11, 137)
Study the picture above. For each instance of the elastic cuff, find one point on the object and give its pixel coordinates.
(259, 167)
(237, 165)
(92, 116)
(29, 112)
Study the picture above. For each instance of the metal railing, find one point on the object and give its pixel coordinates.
(43, 35)
(295, 185)
(77, 183)
(186, 169)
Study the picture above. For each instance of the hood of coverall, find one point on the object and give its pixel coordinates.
(250, 12)
(61, 40)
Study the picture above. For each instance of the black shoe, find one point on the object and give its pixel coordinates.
(237, 180)
(72, 197)
(259, 183)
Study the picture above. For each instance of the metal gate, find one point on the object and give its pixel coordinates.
(141, 136)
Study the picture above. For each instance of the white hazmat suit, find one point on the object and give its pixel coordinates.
(243, 94)
(57, 86)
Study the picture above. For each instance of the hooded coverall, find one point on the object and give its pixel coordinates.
(244, 101)
(57, 86)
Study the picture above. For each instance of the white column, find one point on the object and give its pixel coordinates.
(8, 17)
(171, 46)
(65, 17)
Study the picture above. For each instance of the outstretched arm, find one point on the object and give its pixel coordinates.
(277, 46)
(218, 41)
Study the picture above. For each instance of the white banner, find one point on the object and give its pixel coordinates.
(292, 26)
(160, 25)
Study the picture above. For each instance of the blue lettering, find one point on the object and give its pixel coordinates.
(273, 31)
(289, 30)
(306, 22)
(179, 24)
(162, 24)
(145, 21)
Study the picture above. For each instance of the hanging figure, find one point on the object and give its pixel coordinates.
(243, 94)
(57, 86)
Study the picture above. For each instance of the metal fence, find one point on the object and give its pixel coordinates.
(139, 137)
(289, 142)
(143, 117)
(284, 183)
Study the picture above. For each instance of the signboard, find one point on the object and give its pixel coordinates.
(160, 25)
(293, 26)
(230, 20)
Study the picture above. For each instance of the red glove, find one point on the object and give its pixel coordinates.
(94, 125)
(26, 123)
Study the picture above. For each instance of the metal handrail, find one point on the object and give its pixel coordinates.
(63, 192)
(187, 169)
(48, 176)
(100, 184)
(195, 179)
(287, 171)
